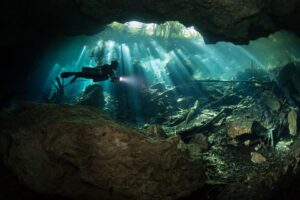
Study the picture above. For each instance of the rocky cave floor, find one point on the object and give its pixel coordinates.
(12, 189)
(254, 159)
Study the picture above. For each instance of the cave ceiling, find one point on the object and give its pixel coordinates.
(230, 20)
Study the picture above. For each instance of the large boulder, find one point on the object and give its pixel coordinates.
(78, 152)
(92, 96)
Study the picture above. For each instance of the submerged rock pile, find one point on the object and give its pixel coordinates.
(77, 152)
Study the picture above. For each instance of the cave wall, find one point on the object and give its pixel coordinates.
(29, 26)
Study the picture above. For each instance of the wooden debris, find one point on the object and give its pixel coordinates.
(292, 120)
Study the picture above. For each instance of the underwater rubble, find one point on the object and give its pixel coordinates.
(252, 140)
(248, 132)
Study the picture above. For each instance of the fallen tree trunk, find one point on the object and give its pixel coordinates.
(187, 133)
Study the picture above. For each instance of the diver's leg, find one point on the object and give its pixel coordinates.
(68, 74)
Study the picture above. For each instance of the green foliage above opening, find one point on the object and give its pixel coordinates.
(169, 29)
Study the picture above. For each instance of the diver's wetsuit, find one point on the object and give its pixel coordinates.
(99, 73)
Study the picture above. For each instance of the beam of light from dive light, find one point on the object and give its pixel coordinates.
(132, 81)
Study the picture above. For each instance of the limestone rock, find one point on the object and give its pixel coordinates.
(288, 76)
(257, 158)
(200, 140)
(234, 130)
(78, 152)
(240, 122)
(233, 18)
(270, 100)
(92, 96)
(156, 130)
(292, 120)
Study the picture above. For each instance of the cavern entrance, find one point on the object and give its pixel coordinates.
(232, 108)
(165, 70)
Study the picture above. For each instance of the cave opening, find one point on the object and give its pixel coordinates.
(165, 56)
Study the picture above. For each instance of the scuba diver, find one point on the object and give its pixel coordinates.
(98, 73)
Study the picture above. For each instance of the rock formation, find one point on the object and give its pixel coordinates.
(233, 19)
(92, 96)
(78, 152)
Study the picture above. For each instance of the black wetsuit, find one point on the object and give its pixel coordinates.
(99, 73)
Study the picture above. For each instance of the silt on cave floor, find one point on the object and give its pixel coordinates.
(184, 120)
